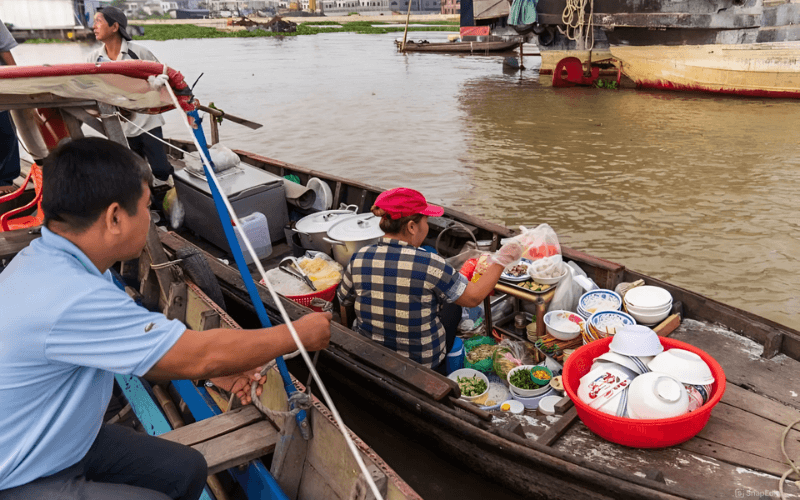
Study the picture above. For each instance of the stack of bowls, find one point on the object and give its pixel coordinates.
(689, 369)
(598, 300)
(604, 323)
(648, 304)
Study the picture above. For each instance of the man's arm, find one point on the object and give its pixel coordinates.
(219, 352)
(8, 59)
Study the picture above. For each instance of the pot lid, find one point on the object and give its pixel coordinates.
(320, 222)
(357, 228)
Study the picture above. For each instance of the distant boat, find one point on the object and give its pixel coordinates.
(460, 47)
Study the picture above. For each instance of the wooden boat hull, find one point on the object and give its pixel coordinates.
(760, 70)
(462, 47)
(562, 458)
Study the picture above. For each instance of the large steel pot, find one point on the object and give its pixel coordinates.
(313, 228)
(349, 235)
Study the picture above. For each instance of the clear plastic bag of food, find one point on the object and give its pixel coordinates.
(509, 354)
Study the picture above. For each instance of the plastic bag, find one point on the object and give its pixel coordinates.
(510, 354)
(539, 242)
(568, 292)
(321, 269)
(223, 157)
(479, 357)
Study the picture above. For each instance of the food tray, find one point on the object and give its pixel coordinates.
(517, 286)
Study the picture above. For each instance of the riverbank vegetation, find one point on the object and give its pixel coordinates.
(181, 31)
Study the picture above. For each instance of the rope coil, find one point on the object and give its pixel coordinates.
(574, 16)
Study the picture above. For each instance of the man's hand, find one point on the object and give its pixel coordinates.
(240, 384)
(314, 330)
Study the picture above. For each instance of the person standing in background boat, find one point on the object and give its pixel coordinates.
(111, 28)
(66, 329)
(407, 298)
(9, 147)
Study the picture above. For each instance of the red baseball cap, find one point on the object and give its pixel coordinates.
(405, 202)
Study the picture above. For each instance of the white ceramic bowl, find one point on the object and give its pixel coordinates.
(610, 321)
(657, 395)
(648, 298)
(601, 387)
(558, 321)
(634, 363)
(525, 393)
(685, 366)
(636, 340)
(649, 319)
(599, 300)
(547, 280)
(469, 372)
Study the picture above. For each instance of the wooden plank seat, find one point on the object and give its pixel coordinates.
(227, 440)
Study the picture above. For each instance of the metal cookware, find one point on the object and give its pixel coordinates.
(290, 266)
(349, 235)
(313, 228)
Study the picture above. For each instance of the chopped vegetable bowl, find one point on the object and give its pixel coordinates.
(473, 384)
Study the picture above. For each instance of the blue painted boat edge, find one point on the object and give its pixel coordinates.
(147, 411)
(256, 480)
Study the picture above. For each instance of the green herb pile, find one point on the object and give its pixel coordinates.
(471, 386)
(522, 379)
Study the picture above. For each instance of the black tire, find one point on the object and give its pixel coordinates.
(197, 268)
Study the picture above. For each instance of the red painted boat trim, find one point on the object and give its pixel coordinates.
(133, 69)
(666, 85)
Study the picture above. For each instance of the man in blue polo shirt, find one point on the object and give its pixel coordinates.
(65, 329)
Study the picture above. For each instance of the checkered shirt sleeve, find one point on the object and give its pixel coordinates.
(397, 291)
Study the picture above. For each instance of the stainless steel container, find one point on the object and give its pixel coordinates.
(313, 228)
(349, 235)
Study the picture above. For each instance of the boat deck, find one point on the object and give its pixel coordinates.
(739, 446)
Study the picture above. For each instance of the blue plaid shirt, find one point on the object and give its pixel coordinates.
(397, 290)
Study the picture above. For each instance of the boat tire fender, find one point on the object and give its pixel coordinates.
(195, 265)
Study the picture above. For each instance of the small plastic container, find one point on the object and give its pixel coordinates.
(542, 381)
(257, 230)
(547, 405)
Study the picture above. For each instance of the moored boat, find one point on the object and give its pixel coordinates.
(476, 47)
(261, 449)
(761, 70)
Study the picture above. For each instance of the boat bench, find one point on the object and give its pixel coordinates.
(228, 440)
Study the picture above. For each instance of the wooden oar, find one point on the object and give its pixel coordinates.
(228, 116)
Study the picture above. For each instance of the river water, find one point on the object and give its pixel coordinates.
(698, 190)
(695, 189)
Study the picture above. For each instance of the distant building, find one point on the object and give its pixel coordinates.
(39, 14)
(451, 6)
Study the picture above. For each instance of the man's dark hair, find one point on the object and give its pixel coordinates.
(83, 177)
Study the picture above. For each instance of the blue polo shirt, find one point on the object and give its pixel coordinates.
(65, 329)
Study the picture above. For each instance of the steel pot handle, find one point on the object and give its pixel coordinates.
(298, 232)
(354, 208)
(333, 242)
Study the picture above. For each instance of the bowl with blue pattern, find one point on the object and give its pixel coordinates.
(610, 322)
(598, 300)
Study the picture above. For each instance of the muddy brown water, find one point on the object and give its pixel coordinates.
(698, 190)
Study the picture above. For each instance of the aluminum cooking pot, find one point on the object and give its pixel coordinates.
(350, 234)
(313, 228)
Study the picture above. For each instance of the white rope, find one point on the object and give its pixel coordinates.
(794, 467)
(284, 314)
(574, 16)
(162, 141)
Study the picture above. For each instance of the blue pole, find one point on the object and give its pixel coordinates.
(238, 256)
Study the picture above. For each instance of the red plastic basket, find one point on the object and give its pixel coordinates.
(305, 300)
(656, 433)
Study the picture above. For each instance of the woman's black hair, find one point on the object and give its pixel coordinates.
(394, 226)
(81, 178)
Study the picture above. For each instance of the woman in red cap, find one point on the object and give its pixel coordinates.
(405, 297)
